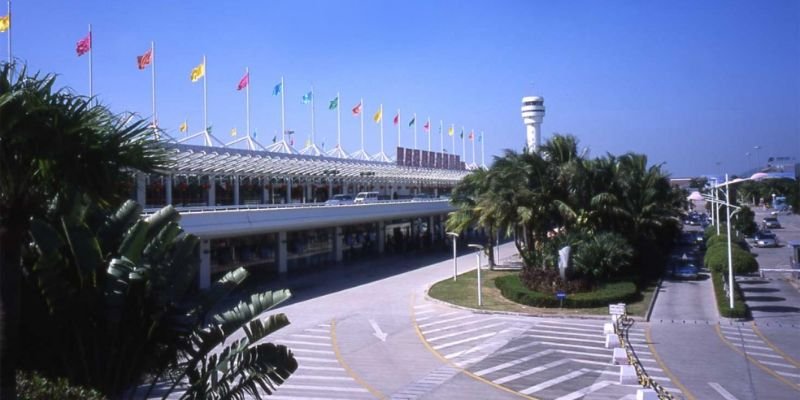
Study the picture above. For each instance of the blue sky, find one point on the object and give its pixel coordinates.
(694, 84)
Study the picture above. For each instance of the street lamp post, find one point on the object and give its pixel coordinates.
(480, 249)
(455, 258)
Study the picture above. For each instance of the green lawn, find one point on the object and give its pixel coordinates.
(464, 292)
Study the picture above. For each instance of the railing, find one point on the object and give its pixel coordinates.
(623, 324)
(250, 207)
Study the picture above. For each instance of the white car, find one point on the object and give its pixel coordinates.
(766, 239)
(339, 199)
(366, 197)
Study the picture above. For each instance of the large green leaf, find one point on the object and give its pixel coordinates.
(240, 314)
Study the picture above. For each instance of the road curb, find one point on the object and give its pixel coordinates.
(519, 314)
(653, 300)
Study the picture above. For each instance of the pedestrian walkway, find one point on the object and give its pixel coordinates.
(320, 375)
(545, 358)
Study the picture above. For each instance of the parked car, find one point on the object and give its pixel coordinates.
(765, 239)
(771, 222)
(339, 199)
(686, 271)
(366, 197)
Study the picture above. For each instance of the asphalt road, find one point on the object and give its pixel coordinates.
(368, 331)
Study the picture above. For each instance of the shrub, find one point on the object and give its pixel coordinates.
(512, 288)
(739, 309)
(716, 259)
(548, 280)
(34, 386)
(602, 255)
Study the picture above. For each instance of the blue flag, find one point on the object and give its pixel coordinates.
(307, 98)
(277, 90)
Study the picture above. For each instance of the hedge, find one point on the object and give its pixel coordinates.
(716, 258)
(740, 309)
(34, 386)
(512, 288)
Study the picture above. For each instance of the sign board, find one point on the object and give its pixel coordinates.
(616, 309)
(400, 156)
(561, 295)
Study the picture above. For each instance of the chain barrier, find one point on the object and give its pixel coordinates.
(622, 325)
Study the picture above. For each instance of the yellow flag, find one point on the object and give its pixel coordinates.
(184, 127)
(233, 131)
(378, 116)
(5, 23)
(450, 131)
(198, 72)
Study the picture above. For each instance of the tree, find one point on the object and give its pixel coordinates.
(602, 256)
(110, 300)
(53, 141)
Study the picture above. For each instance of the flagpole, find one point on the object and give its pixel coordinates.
(283, 111)
(153, 81)
(398, 127)
(415, 131)
(247, 97)
(338, 121)
(472, 139)
(9, 32)
(382, 129)
(313, 141)
(91, 51)
(483, 162)
(441, 136)
(362, 123)
(453, 138)
(205, 102)
(429, 134)
(463, 145)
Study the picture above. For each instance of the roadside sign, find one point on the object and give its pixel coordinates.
(616, 309)
(561, 295)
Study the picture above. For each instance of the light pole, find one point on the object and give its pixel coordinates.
(480, 249)
(455, 258)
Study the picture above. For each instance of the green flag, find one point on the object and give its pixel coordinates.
(334, 103)
(413, 121)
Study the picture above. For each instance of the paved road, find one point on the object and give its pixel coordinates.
(434, 351)
(716, 358)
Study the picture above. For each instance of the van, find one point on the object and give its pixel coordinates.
(366, 197)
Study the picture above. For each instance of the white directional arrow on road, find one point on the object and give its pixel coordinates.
(378, 332)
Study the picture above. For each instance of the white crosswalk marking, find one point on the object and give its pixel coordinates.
(467, 340)
(553, 382)
(477, 321)
(719, 389)
(513, 363)
(465, 331)
(583, 392)
(531, 371)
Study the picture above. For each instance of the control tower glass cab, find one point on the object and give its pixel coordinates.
(532, 115)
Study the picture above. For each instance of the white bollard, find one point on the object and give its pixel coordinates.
(627, 375)
(608, 327)
(612, 340)
(614, 318)
(619, 357)
(646, 394)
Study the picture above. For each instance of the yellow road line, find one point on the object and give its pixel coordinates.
(347, 368)
(755, 361)
(686, 393)
(453, 365)
(773, 347)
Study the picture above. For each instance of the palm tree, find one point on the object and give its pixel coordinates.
(51, 142)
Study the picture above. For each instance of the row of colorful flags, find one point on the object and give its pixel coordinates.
(84, 46)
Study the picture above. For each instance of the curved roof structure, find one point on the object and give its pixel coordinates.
(202, 160)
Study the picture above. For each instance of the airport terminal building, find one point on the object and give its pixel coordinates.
(266, 209)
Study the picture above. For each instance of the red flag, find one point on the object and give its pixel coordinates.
(144, 59)
(471, 135)
(357, 109)
(427, 126)
(244, 82)
(84, 45)
(397, 119)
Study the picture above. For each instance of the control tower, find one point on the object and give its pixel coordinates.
(532, 115)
